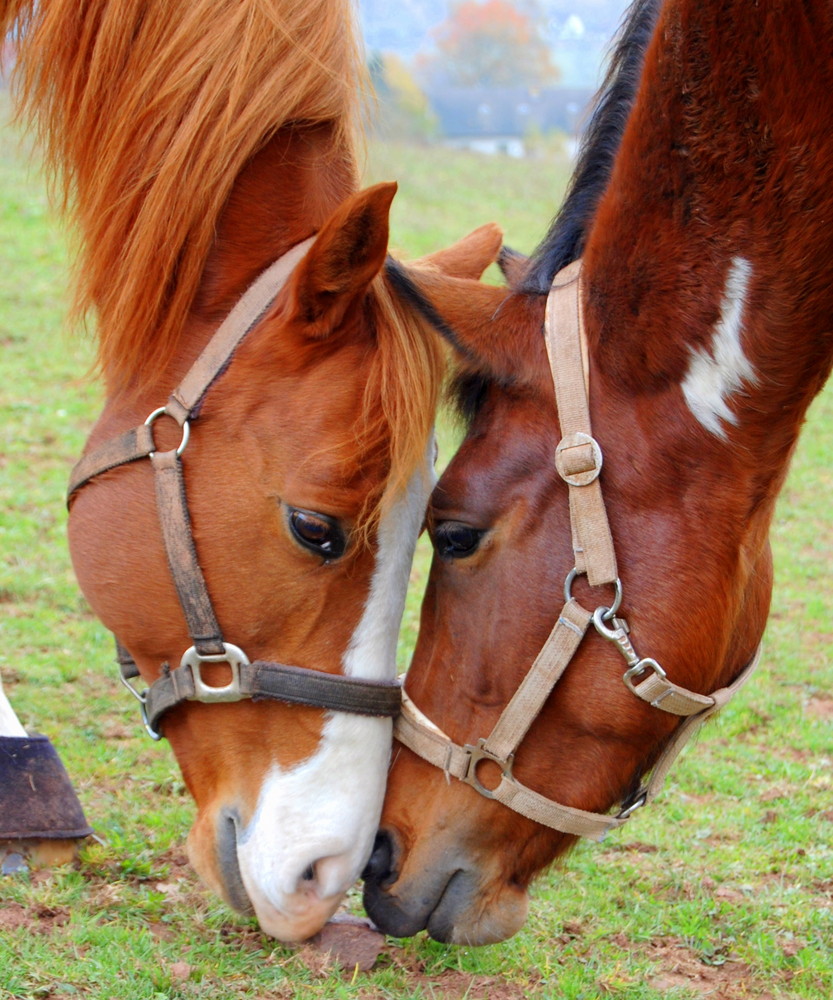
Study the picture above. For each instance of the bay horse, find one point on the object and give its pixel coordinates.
(244, 516)
(700, 213)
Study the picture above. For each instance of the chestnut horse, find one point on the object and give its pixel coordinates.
(195, 143)
(701, 211)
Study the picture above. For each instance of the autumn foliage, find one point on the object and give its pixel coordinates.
(493, 43)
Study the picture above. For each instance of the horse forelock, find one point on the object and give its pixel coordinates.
(401, 396)
(600, 142)
(147, 111)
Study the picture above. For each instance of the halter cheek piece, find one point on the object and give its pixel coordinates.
(578, 459)
(258, 679)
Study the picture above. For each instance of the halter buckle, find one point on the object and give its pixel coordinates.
(639, 668)
(475, 755)
(578, 459)
(208, 693)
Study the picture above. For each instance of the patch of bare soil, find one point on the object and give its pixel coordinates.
(33, 919)
(451, 984)
(820, 708)
(723, 977)
(349, 943)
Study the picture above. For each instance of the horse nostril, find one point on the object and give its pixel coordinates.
(380, 863)
(327, 876)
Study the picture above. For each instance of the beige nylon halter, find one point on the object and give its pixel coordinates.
(578, 459)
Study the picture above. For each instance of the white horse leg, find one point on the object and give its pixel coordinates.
(9, 722)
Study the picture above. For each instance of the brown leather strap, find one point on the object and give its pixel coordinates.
(128, 447)
(247, 313)
(279, 682)
(248, 310)
(188, 578)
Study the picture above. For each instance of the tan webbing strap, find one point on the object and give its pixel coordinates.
(578, 456)
(692, 724)
(419, 734)
(579, 822)
(578, 460)
(539, 681)
(663, 693)
(247, 312)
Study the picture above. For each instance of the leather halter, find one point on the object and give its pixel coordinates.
(578, 459)
(258, 679)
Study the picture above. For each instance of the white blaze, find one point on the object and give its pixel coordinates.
(323, 814)
(714, 374)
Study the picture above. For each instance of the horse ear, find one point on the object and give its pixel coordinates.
(492, 331)
(468, 257)
(346, 256)
(512, 265)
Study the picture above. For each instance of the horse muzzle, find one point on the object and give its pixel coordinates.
(449, 897)
(291, 897)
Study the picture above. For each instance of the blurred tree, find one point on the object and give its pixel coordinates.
(403, 109)
(493, 43)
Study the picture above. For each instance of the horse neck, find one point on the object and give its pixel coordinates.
(709, 259)
(282, 196)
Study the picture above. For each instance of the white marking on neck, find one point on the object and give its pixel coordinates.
(715, 374)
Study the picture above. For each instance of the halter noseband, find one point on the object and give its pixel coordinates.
(578, 459)
(258, 679)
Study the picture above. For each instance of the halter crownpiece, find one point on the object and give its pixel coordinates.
(578, 460)
(258, 679)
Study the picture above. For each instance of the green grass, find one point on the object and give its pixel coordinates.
(723, 888)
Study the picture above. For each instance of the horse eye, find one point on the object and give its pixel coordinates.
(455, 540)
(317, 532)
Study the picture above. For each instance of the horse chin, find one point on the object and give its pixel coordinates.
(473, 915)
(454, 902)
(212, 851)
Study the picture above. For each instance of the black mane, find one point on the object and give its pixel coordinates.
(565, 239)
(564, 242)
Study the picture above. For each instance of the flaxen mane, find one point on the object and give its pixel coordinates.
(147, 111)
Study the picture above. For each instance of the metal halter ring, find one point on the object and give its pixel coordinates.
(162, 411)
(475, 755)
(607, 612)
(142, 698)
(630, 805)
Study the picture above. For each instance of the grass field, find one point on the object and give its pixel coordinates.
(723, 889)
